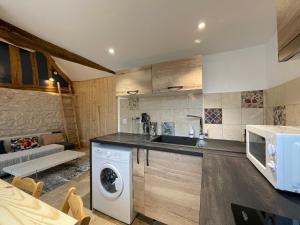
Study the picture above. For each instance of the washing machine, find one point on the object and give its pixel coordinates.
(112, 186)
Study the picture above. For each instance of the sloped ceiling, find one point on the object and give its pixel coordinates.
(77, 72)
(142, 31)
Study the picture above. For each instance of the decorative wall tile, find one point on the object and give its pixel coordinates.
(168, 128)
(279, 115)
(252, 99)
(213, 116)
(292, 115)
(133, 102)
(269, 116)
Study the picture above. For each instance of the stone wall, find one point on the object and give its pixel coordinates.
(28, 112)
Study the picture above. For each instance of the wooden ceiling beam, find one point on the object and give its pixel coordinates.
(22, 38)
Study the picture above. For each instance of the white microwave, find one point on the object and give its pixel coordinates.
(275, 152)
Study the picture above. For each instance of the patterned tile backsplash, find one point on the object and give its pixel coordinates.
(172, 109)
(213, 116)
(223, 114)
(279, 115)
(231, 123)
(168, 128)
(283, 104)
(252, 99)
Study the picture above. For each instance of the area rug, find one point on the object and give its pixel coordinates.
(61, 174)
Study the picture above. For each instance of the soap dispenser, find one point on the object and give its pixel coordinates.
(191, 132)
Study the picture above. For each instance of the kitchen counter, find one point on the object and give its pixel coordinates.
(227, 179)
(143, 141)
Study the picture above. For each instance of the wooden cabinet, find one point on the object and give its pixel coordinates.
(134, 82)
(288, 28)
(138, 159)
(168, 188)
(184, 74)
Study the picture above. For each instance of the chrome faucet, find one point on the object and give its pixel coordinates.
(201, 133)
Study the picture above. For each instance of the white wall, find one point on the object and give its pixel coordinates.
(279, 72)
(245, 69)
(238, 70)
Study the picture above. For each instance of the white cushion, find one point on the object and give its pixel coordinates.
(13, 158)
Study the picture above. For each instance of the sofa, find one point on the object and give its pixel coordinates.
(14, 157)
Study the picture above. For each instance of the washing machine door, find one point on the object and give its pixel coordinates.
(110, 181)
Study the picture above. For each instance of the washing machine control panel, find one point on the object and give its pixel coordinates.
(110, 154)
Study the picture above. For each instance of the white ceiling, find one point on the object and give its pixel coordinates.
(77, 72)
(142, 31)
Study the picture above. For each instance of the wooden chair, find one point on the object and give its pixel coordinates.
(29, 185)
(73, 202)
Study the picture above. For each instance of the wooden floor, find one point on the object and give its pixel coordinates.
(82, 184)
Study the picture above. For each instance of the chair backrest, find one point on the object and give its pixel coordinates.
(73, 203)
(29, 185)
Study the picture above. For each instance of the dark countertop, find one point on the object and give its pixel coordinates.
(143, 141)
(228, 179)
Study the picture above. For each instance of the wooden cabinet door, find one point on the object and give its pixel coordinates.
(138, 157)
(184, 74)
(136, 82)
(172, 188)
(288, 28)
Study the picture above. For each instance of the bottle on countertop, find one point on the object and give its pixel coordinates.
(191, 132)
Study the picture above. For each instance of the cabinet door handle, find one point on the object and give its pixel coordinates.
(147, 157)
(175, 87)
(138, 156)
(133, 92)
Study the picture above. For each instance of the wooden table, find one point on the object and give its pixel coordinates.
(20, 208)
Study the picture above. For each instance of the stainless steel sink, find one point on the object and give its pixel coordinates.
(177, 140)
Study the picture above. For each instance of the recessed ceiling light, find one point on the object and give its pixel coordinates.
(111, 51)
(197, 41)
(201, 26)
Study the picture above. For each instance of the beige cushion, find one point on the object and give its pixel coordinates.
(53, 138)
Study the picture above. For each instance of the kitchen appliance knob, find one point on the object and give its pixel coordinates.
(271, 149)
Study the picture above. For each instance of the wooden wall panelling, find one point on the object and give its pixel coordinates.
(96, 107)
(15, 65)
